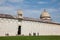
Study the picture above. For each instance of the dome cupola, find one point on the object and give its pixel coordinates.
(20, 14)
(45, 16)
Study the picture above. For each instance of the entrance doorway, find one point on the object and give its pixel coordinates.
(19, 30)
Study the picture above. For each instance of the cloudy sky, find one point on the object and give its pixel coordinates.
(31, 8)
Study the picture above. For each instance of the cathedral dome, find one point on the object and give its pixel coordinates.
(44, 14)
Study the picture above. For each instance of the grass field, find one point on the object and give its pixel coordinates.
(30, 38)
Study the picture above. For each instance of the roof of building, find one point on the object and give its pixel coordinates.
(39, 20)
(26, 18)
(6, 16)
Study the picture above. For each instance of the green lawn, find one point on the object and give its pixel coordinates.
(30, 38)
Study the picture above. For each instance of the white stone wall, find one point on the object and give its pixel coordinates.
(9, 26)
(41, 28)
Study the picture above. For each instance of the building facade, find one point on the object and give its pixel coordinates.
(12, 26)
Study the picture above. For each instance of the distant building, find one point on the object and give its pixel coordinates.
(12, 26)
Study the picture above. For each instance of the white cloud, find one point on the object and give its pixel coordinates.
(41, 2)
(15, 1)
(59, 3)
(2, 1)
(53, 1)
(52, 10)
(59, 8)
(32, 13)
(7, 10)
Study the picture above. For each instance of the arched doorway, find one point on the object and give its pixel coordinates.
(19, 30)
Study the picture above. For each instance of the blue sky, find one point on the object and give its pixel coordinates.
(31, 8)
